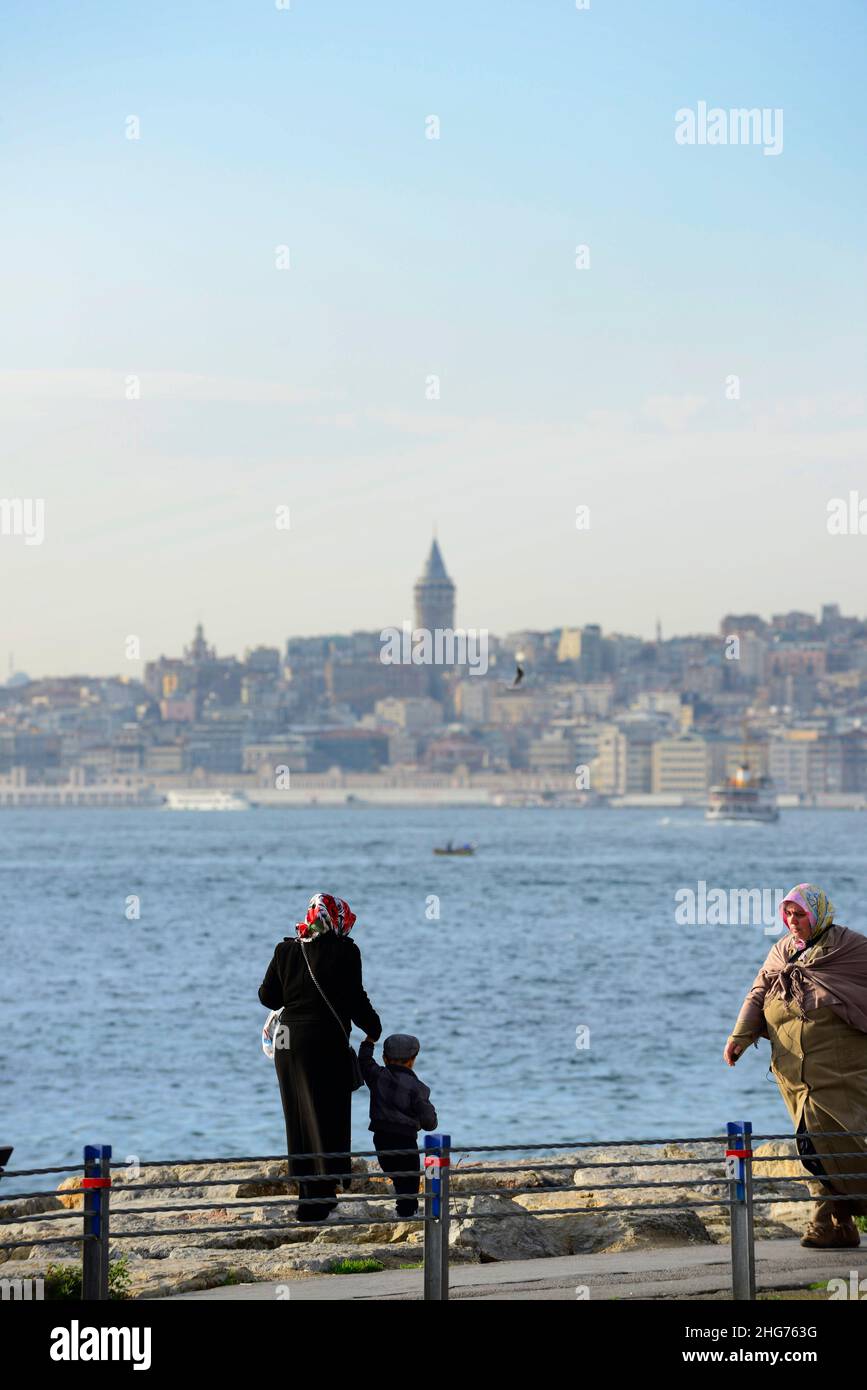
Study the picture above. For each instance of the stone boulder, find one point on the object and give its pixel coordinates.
(575, 1229)
(478, 1177)
(498, 1228)
(72, 1200)
(265, 1182)
(642, 1230)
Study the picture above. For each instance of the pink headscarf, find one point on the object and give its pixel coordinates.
(815, 903)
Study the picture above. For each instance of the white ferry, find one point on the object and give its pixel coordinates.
(206, 801)
(743, 798)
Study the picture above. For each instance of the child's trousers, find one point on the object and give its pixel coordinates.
(406, 1189)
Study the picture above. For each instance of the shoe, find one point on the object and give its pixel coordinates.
(836, 1233)
(320, 1220)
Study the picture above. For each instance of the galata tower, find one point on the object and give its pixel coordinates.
(434, 594)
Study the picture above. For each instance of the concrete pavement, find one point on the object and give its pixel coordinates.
(673, 1272)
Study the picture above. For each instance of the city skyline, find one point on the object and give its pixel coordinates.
(433, 600)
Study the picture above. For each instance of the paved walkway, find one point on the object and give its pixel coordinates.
(674, 1272)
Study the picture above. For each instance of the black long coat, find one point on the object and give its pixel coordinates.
(313, 1071)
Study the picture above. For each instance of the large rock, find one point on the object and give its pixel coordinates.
(264, 1182)
(482, 1176)
(122, 1178)
(648, 1180)
(336, 1233)
(641, 1230)
(24, 1206)
(785, 1174)
(497, 1228)
(575, 1229)
(70, 1199)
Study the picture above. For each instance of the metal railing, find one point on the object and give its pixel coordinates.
(736, 1161)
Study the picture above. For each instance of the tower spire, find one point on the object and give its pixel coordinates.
(434, 593)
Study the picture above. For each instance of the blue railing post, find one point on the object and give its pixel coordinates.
(740, 1174)
(436, 1210)
(97, 1185)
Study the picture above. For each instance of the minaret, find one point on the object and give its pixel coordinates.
(434, 594)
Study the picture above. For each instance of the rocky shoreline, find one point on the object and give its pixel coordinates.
(180, 1259)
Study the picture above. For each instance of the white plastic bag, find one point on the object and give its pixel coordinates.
(269, 1032)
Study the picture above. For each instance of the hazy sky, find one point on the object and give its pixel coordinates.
(305, 128)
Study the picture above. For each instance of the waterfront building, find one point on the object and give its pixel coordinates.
(679, 766)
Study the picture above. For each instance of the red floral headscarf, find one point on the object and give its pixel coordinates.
(325, 913)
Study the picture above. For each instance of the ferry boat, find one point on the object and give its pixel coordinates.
(205, 800)
(743, 798)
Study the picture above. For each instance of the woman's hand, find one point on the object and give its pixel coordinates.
(732, 1052)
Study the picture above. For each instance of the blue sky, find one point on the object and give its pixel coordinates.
(305, 127)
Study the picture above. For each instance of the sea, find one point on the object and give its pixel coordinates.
(574, 980)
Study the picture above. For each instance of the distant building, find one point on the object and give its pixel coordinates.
(356, 750)
(455, 751)
(181, 711)
(594, 699)
(473, 701)
(198, 651)
(792, 658)
(413, 715)
(794, 622)
(263, 659)
(623, 762)
(198, 675)
(806, 762)
(679, 766)
(434, 594)
(166, 758)
(214, 745)
(590, 656)
(608, 768)
(359, 684)
(582, 647)
(738, 624)
(554, 752)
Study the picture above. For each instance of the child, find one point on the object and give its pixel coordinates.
(399, 1108)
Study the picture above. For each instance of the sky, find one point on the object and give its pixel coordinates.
(281, 293)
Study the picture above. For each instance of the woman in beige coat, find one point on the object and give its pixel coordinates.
(810, 1000)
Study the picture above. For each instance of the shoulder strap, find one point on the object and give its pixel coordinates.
(319, 987)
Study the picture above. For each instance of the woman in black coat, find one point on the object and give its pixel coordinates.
(311, 1054)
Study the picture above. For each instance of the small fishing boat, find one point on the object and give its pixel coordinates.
(454, 849)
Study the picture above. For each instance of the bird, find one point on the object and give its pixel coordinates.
(519, 676)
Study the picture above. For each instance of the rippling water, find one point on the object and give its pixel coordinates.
(145, 1033)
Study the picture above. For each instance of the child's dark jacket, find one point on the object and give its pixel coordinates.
(398, 1099)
